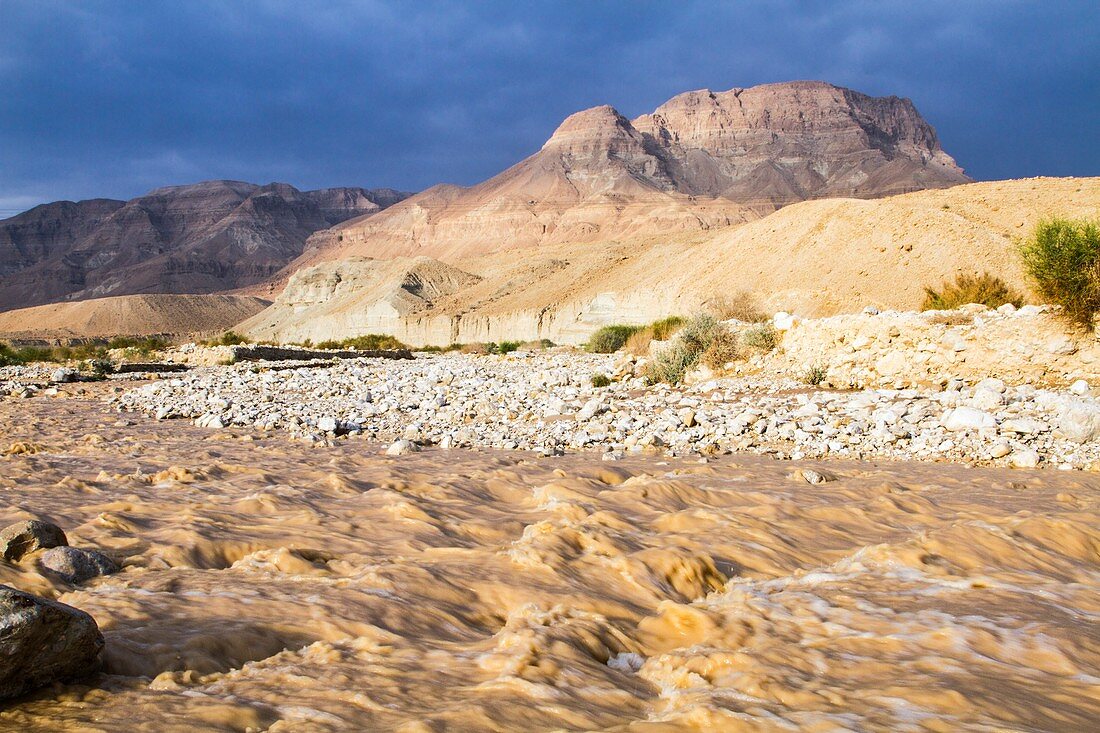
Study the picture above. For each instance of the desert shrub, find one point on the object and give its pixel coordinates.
(101, 367)
(144, 345)
(670, 364)
(369, 342)
(815, 374)
(507, 347)
(694, 340)
(722, 350)
(638, 343)
(763, 337)
(663, 329)
(610, 339)
(8, 356)
(1062, 257)
(985, 289)
(600, 380)
(229, 338)
(742, 306)
(476, 348)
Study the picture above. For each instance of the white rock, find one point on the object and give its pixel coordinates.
(1024, 426)
(784, 321)
(327, 424)
(999, 450)
(1024, 459)
(1079, 422)
(967, 418)
(1080, 387)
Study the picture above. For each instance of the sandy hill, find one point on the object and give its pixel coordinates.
(815, 257)
(130, 315)
(200, 238)
(700, 161)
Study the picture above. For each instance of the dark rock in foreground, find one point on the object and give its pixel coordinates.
(42, 641)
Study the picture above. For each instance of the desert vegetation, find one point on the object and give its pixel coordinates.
(985, 289)
(1062, 258)
(610, 339)
(228, 338)
(742, 306)
(86, 352)
(702, 339)
(369, 342)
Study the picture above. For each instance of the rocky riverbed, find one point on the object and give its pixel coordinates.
(545, 402)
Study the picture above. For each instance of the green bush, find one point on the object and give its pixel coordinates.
(1062, 257)
(663, 329)
(763, 337)
(600, 380)
(610, 339)
(229, 338)
(985, 289)
(143, 345)
(369, 342)
(815, 375)
(507, 347)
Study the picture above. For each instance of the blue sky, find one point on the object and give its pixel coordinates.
(115, 98)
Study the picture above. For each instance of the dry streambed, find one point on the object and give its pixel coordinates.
(271, 584)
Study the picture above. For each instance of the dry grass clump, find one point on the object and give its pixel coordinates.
(662, 330)
(600, 380)
(722, 350)
(985, 289)
(763, 337)
(742, 306)
(1062, 257)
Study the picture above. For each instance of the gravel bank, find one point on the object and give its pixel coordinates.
(545, 402)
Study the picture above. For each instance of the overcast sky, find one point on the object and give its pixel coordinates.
(115, 98)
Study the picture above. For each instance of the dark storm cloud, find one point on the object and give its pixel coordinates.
(115, 98)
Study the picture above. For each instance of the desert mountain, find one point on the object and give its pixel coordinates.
(817, 257)
(200, 238)
(701, 160)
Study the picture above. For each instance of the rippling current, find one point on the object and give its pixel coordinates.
(271, 585)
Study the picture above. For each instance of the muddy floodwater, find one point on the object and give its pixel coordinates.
(273, 585)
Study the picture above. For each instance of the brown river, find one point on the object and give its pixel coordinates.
(269, 585)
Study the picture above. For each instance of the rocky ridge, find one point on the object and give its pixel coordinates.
(199, 238)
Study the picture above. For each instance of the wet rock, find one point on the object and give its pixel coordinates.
(402, 447)
(21, 538)
(74, 565)
(42, 641)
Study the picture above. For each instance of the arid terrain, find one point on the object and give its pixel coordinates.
(680, 431)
